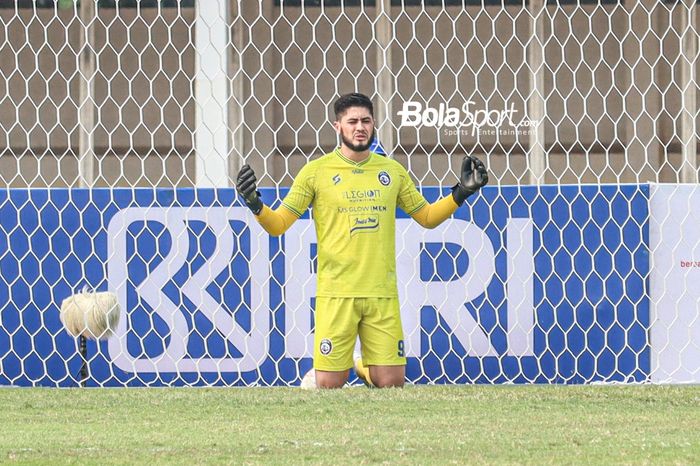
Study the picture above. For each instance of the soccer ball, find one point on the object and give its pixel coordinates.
(309, 381)
(92, 314)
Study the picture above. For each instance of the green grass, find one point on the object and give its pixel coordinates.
(417, 425)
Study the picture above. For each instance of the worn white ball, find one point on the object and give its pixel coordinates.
(93, 315)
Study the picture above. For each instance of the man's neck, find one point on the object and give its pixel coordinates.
(356, 157)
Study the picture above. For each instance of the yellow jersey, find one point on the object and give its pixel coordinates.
(354, 212)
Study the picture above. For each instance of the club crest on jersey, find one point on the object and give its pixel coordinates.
(336, 179)
(326, 346)
(384, 178)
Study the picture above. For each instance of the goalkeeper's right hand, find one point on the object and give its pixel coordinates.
(246, 187)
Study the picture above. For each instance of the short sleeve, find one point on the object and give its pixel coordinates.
(301, 194)
(410, 199)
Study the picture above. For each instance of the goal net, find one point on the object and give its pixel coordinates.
(123, 124)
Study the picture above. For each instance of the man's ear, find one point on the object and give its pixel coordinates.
(336, 125)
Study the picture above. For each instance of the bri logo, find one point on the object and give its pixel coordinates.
(502, 260)
(152, 305)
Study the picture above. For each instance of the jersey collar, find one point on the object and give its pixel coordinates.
(352, 162)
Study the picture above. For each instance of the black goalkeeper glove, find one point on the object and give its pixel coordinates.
(246, 187)
(472, 178)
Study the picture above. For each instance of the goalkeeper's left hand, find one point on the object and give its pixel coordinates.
(472, 178)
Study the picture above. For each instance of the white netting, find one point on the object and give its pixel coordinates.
(122, 115)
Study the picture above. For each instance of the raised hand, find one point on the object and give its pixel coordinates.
(247, 188)
(473, 177)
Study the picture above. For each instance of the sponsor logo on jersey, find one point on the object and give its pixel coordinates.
(362, 194)
(336, 179)
(384, 178)
(358, 171)
(362, 208)
(363, 224)
(326, 346)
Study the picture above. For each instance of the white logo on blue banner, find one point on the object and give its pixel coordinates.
(448, 297)
(252, 344)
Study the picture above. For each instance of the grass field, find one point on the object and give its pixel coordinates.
(417, 425)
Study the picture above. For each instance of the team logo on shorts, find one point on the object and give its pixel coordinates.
(384, 178)
(326, 347)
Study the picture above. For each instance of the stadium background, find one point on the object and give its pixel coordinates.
(611, 75)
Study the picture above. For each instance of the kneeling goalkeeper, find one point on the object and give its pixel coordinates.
(354, 193)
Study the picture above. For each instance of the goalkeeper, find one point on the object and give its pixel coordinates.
(354, 194)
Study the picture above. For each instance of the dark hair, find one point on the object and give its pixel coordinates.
(352, 100)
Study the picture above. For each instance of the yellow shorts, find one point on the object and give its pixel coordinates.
(340, 320)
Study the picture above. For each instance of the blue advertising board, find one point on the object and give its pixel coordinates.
(525, 284)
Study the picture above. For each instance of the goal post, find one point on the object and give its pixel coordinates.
(124, 122)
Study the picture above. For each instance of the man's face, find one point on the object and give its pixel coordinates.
(356, 128)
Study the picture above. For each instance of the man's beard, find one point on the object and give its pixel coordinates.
(358, 147)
